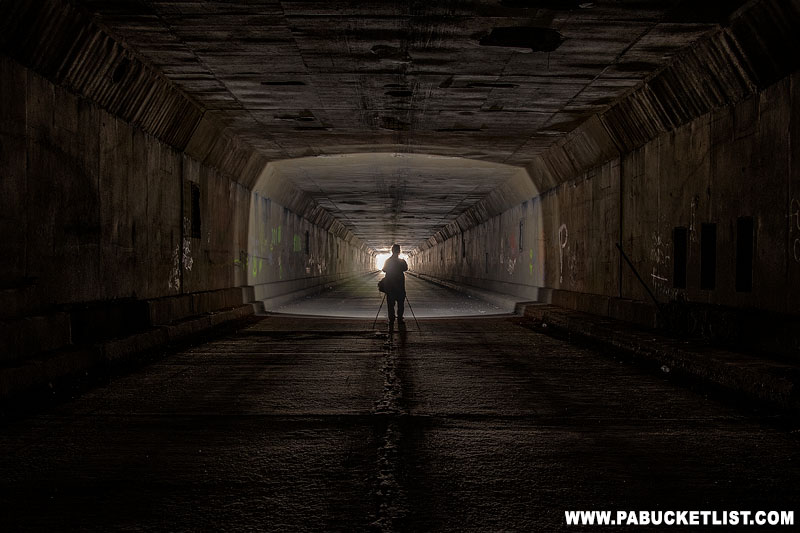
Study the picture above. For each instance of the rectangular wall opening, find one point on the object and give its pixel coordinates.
(308, 243)
(708, 256)
(744, 254)
(486, 263)
(679, 256)
(520, 236)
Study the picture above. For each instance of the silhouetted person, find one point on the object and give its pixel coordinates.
(394, 283)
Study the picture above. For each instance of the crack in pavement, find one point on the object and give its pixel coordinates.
(391, 497)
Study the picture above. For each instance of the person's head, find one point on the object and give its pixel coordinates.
(396, 249)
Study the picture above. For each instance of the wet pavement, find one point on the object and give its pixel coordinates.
(359, 297)
(304, 424)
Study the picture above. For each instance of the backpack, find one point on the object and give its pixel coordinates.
(382, 285)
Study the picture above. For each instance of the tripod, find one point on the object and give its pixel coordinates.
(379, 311)
(412, 313)
(409, 307)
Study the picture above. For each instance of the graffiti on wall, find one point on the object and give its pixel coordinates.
(304, 251)
(530, 263)
(186, 256)
(276, 237)
(511, 260)
(188, 262)
(511, 265)
(174, 281)
(659, 258)
(242, 261)
(181, 258)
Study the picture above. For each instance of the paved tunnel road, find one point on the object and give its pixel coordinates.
(359, 297)
(294, 424)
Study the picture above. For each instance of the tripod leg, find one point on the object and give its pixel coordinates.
(379, 312)
(412, 313)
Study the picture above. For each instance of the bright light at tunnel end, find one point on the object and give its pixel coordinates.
(380, 259)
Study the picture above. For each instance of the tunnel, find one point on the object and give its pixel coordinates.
(597, 203)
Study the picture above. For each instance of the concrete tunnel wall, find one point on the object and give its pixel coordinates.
(736, 161)
(103, 238)
(727, 164)
(711, 138)
(288, 253)
(505, 253)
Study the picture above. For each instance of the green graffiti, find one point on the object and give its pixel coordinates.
(298, 245)
(276, 237)
(530, 265)
(255, 269)
(242, 260)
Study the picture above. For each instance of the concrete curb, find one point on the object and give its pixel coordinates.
(767, 382)
(269, 304)
(505, 302)
(41, 373)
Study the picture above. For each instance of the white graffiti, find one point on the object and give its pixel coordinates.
(563, 235)
(658, 256)
(693, 209)
(174, 281)
(656, 252)
(187, 254)
(656, 276)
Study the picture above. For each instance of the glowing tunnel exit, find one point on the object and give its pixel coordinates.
(381, 258)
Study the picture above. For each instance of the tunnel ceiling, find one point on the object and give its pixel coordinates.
(498, 81)
(492, 80)
(394, 198)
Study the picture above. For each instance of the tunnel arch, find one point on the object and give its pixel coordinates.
(359, 204)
